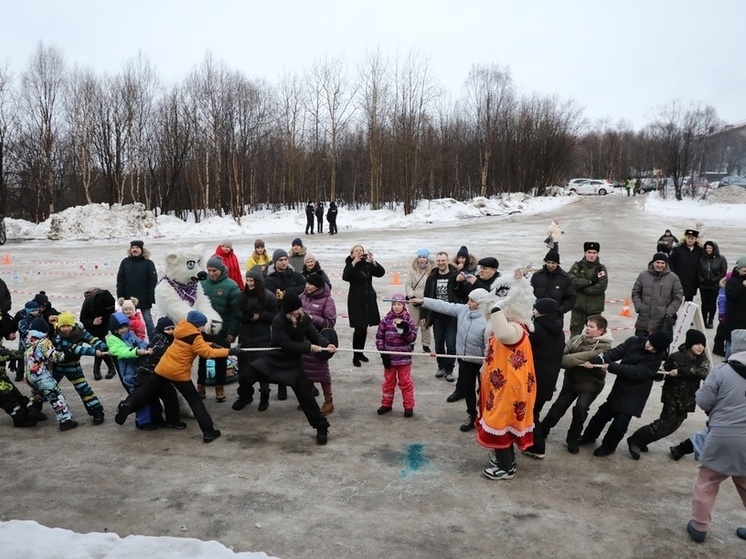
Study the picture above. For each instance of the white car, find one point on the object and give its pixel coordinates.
(575, 182)
(602, 187)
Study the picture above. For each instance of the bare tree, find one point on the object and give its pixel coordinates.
(489, 98)
(330, 82)
(292, 116)
(678, 128)
(8, 116)
(41, 86)
(414, 91)
(81, 102)
(140, 87)
(375, 102)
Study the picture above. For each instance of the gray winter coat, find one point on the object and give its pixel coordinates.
(721, 396)
(471, 338)
(654, 296)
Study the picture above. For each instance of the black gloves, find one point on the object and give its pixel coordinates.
(235, 350)
(386, 360)
(404, 326)
(4, 351)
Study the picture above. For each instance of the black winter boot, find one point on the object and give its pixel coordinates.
(263, 400)
(282, 392)
(22, 418)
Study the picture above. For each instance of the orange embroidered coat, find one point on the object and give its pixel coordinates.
(507, 392)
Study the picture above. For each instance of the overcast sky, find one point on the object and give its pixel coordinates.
(618, 60)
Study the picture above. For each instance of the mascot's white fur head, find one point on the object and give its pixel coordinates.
(514, 295)
(185, 266)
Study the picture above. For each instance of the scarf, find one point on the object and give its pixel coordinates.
(187, 292)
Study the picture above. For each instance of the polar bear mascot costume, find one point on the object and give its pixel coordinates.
(179, 290)
(507, 383)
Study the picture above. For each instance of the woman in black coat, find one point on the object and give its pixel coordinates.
(294, 333)
(712, 268)
(362, 305)
(98, 306)
(257, 307)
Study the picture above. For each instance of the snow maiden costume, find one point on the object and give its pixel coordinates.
(508, 381)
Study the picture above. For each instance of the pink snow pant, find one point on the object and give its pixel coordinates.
(706, 488)
(403, 375)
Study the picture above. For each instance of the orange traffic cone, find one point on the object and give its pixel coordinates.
(6, 258)
(626, 311)
(395, 279)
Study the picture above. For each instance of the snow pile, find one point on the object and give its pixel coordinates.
(94, 221)
(15, 536)
(726, 213)
(100, 221)
(726, 195)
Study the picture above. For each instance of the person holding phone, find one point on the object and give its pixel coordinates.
(362, 305)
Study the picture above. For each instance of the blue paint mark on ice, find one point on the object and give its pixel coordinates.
(414, 459)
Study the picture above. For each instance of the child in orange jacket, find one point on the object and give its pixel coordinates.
(176, 367)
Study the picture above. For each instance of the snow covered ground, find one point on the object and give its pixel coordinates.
(79, 225)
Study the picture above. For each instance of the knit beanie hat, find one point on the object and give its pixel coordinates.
(277, 254)
(196, 318)
(546, 306)
(694, 337)
(463, 251)
(660, 341)
(297, 242)
(227, 242)
(41, 298)
(660, 256)
(291, 302)
(308, 256)
(741, 262)
(398, 298)
(39, 325)
(316, 280)
(478, 295)
(423, 252)
(31, 306)
(163, 323)
(255, 273)
(65, 319)
(215, 262)
(552, 256)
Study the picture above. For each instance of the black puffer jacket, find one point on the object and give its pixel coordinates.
(634, 374)
(555, 285)
(547, 346)
(735, 303)
(712, 268)
(137, 277)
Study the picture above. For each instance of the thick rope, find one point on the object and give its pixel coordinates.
(381, 352)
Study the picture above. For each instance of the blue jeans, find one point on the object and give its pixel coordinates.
(147, 317)
(444, 334)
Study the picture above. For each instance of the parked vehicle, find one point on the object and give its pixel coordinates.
(3, 233)
(575, 182)
(733, 180)
(602, 187)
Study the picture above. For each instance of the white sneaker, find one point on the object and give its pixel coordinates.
(494, 465)
(498, 474)
(449, 377)
(440, 373)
